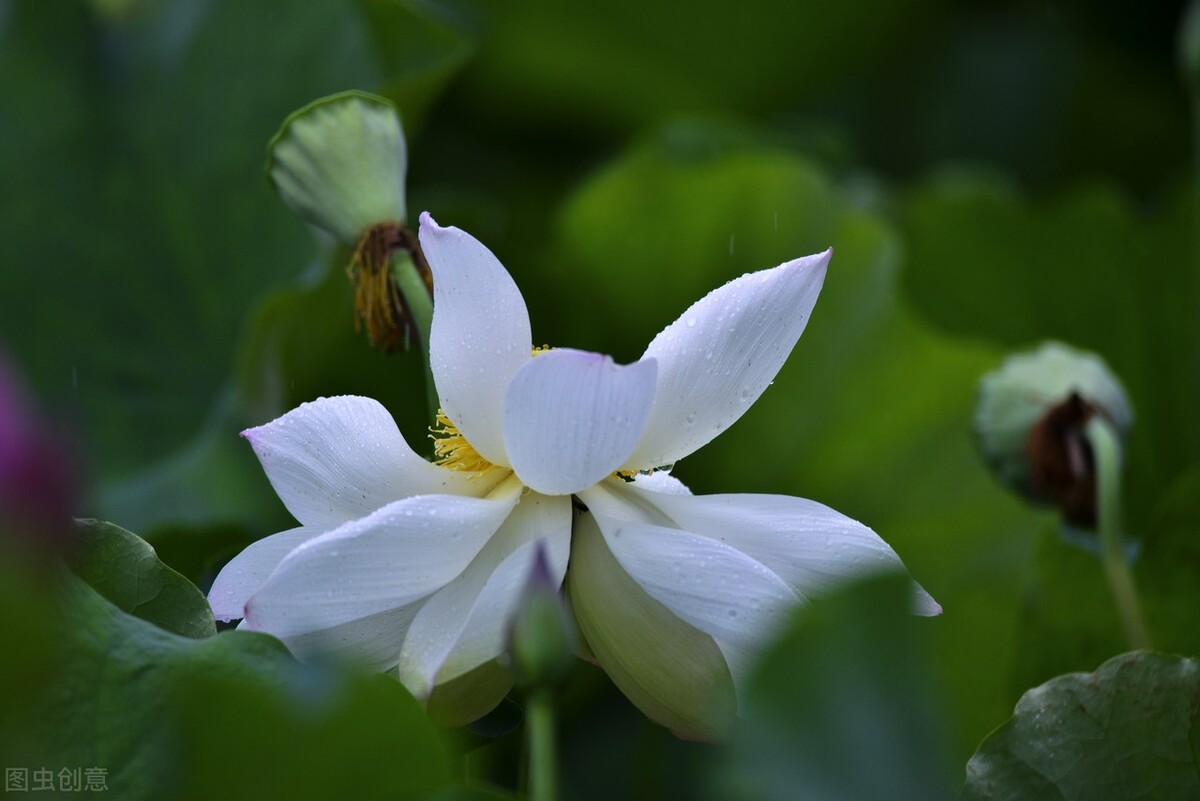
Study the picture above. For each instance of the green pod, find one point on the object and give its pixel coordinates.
(340, 164)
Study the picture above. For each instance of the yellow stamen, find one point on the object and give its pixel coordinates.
(452, 449)
(628, 476)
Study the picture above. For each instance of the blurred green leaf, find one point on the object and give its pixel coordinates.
(140, 139)
(420, 47)
(1069, 622)
(1119, 733)
(26, 621)
(124, 568)
(1189, 47)
(31, 657)
(301, 344)
(205, 502)
(212, 488)
(620, 65)
(609, 749)
(224, 716)
(870, 414)
(1105, 102)
(473, 792)
(844, 706)
(1166, 569)
(900, 86)
(368, 735)
(1083, 268)
(144, 139)
(112, 698)
(198, 552)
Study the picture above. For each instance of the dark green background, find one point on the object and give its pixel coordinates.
(989, 174)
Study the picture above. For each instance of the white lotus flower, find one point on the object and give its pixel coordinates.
(418, 566)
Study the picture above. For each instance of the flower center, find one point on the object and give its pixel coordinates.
(452, 449)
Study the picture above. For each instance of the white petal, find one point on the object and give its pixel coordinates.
(718, 589)
(812, 547)
(719, 357)
(661, 481)
(338, 459)
(480, 335)
(464, 624)
(246, 572)
(370, 641)
(571, 418)
(670, 670)
(387, 560)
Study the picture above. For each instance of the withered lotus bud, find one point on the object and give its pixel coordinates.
(1030, 420)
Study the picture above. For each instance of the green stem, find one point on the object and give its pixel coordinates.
(543, 770)
(420, 308)
(1106, 450)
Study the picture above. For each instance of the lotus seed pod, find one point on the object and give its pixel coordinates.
(340, 164)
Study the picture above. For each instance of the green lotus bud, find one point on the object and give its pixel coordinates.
(541, 641)
(1030, 420)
